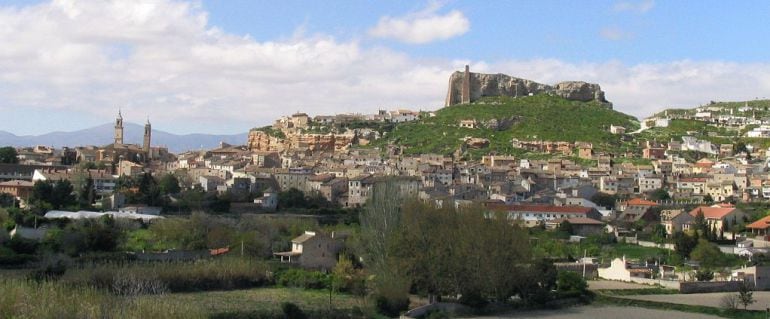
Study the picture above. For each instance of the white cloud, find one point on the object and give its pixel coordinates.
(615, 34)
(162, 59)
(636, 7)
(165, 61)
(422, 27)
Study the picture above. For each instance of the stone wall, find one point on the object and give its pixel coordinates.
(708, 286)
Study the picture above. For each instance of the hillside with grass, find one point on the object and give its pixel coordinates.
(682, 123)
(539, 117)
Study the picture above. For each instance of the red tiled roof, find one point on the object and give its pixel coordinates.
(542, 208)
(762, 223)
(712, 212)
(640, 202)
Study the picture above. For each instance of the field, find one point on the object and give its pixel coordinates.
(260, 300)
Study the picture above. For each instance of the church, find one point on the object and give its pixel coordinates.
(117, 151)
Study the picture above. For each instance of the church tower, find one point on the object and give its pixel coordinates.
(119, 129)
(147, 138)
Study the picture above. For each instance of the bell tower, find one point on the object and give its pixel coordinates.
(119, 129)
(147, 138)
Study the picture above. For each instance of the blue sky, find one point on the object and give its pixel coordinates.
(227, 66)
(649, 31)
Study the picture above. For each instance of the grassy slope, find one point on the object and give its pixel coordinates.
(540, 117)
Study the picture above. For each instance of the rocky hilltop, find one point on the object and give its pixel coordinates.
(466, 87)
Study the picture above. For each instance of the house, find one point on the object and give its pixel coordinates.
(313, 250)
(720, 216)
(211, 183)
(675, 220)
(759, 276)
(617, 129)
(760, 227)
(581, 226)
(19, 189)
(623, 271)
(468, 123)
(534, 215)
(36, 234)
(637, 209)
(268, 201)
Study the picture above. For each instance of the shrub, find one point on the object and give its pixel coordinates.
(51, 271)
(292, 311)
(729, 302)
(704, 275)
(300, 278)
(391, 306)
(570, 281)
(217, 274)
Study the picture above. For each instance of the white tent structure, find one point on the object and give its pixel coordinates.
(86, 214)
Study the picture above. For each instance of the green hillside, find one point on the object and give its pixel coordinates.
(540, 117)
(760, 108)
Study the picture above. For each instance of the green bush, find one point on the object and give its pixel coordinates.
(389, 306)
(300, 278)
(569, 281)
(292, 311)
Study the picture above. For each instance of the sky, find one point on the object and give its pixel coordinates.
(223, 67)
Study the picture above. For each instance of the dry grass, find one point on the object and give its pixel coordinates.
(261, 300)
(25, 299)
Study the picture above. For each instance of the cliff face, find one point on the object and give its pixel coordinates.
(479, 85)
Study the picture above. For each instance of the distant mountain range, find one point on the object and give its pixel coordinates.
(103, 135)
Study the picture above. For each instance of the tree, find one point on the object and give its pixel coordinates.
(684, 244)
(566, 227)
(169, 184)
(570, 281)
(708, 254)
(708, 199)
(659, 195)
(604, 200)
(8, 155)
(745, 295)
(659, 234)
(292, 198)
(54, 195)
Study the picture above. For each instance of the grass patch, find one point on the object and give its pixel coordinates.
(540, 117)
(25, 299)
(213, 274)
(736, 313)
(261, 301)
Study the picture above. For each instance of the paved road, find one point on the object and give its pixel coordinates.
(709, 300)
(604, 312)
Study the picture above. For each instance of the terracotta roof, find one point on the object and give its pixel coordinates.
(17, 182)
(712, 212)
(543, 208)
(762, 223)
(640, 202)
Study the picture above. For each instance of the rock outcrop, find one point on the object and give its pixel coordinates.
(465, 87)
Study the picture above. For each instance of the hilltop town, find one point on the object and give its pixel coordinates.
(683, 180)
